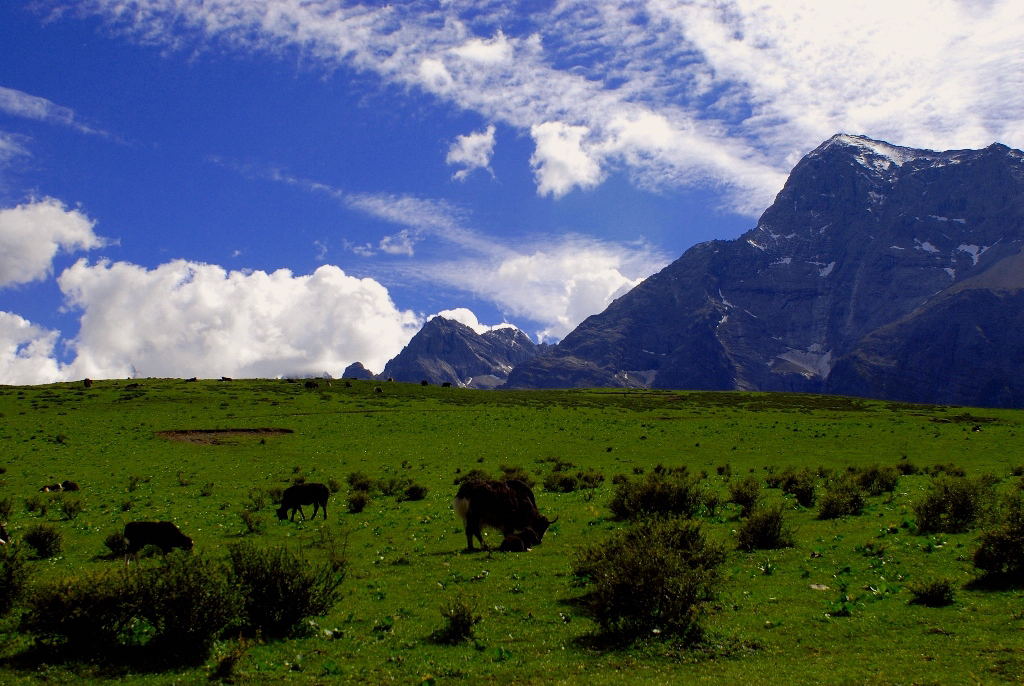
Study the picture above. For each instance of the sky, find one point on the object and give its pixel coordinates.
(262, 188)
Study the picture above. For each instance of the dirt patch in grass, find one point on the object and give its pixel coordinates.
(219, 436)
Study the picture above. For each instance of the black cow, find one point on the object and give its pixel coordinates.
(164, 535)
(519, 542)
(296, 496)
(508, 506)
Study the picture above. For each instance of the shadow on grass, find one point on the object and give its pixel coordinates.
(108, 662)
(996, 582)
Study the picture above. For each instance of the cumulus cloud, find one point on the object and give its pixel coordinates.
(187, 318)
(32, 234)
(466, 316)
(27, 352)
(472, 151)
(557, 283)
(559, 161)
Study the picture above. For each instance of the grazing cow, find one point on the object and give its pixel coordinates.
(226, 378)
(191, 379)
(87, 383)
(296, 496)
(311, 385)
(68, 485)
(164, 535)
(51, 488)
(508, 506)
(446, 384)
(424, 383)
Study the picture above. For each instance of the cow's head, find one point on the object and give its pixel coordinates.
(282, 512)
(540, 525)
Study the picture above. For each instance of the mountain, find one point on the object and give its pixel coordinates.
(356, 370)
(879, 270)
(445, 350)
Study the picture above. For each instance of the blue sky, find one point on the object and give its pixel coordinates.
(273, 187)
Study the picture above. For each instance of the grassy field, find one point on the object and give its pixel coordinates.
(834, 608)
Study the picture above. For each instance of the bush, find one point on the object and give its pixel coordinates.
(745, 493)
(37, 504)
(45, 540)
(801, 485)
(85, 615)
(567, 482)
(254, 524)
(660, 492)
(6, 507)
(877, 480)
(907, 468)
(953, 504)
(189, 601)
(842, 498)
(653, 578)
(117, 544)
(357, 501)
(414, 492)
(14, 575)
(765, 528)
(472, 475)
(460, 618)
(70, 508)
(1001, 548)
(358, 481)
(280, 588)
(509, 473)
(935, 593)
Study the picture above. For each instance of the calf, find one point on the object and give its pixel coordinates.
(296, 496)
(508, 506)
(520, 542)
(164, 535)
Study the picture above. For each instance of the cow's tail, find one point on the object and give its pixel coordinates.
(461, 506)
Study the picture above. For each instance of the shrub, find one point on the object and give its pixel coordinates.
(334, 485)
(70, 508)
(953, 504)
(45, 540)
(189, 601)
(1001, 548)
(934, 593)
(745, 493)
(843, 497)
(37, 504)
(460, 617)
(877, 479)
(567, 482)
(653, 578)
(765, 528)
(509, 473)
(907, 468)
(801, 485)
(117, 544)
(414, 492)
(84, 615)
(357, 501)
(255, 501)
(6, 507)
(660, 492)
(472, 475)
(14, 575)
(254, 524)
(358, 481)
(280, 588)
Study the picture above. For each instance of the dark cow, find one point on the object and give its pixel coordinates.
(520, 542)
(446, 384)
(68, 485)
(87, 383)
(508, 506)
(50, 488)
(164, 535)
(296, 496)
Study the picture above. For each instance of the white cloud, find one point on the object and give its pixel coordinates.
(32, 234)
(728, 93)
(472, 151)
(558, 283)
(191, 319)
(27, 352)
(11, 146)
(20, 104)
(559, 161)
(400, 243)
(466, 316)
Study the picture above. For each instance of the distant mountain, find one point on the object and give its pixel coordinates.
(356, 370)
(445, 350)
(879, 270)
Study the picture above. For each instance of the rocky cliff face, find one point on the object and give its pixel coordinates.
(448, 351)
(868, 251)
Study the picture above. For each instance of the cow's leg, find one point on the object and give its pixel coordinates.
(473, 529)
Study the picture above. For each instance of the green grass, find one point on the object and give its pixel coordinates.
(834, 608)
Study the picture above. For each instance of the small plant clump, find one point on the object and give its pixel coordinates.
(876, 479)
(745, 493)
(460, 617)
(14, 576)
(764, 529)
(357, 501)
(932, 593)
(802, 485)
(953, 504)
(660, 492)
(842, 498)
(1000, 550)
(45, 540)
(652, 579)
(70, 508)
